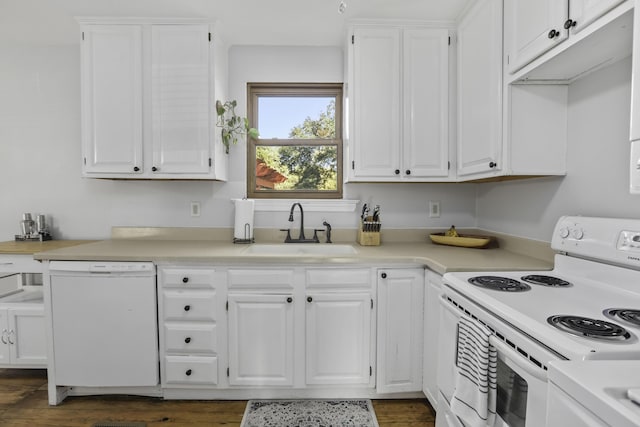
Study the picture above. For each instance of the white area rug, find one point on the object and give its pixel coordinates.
(309, 413)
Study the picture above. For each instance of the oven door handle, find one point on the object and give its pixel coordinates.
(518, 359)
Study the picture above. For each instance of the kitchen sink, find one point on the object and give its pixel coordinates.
(298, 249)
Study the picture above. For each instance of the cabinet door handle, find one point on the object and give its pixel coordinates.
(408, 172)
(187, 307)
(397, 171)
(309, 299)
(4, 337)
(187, 340)
(492, 165)
(136, 169)
(154, 169)
(383, 275)
(289, 300)
(553, 34)
(11, 332)
(569, 23)
(185, 280)
(188, 373)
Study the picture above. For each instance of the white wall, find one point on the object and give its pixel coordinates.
(40, 160)
(403, 205)
(597, 178)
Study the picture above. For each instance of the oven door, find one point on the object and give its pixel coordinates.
(521, 385)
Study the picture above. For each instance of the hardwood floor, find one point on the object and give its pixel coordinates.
(23, 403)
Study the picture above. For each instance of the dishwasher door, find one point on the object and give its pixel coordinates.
(105, 329)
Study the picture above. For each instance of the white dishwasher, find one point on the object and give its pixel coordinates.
(105, 327)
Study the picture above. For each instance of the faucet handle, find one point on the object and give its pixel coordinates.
(288, 238)
(315, 234)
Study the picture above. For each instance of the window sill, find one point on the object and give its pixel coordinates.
(309, 205)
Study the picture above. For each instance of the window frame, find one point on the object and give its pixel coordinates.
(256, 90)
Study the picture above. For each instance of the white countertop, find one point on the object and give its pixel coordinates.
(438, 258)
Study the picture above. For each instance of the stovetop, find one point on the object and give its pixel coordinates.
(588, 294)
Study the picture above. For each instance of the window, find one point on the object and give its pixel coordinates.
(299, 151)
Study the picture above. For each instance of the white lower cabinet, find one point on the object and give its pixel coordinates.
(22, 340)
(261, 339)
(338, 337)
(400, 335)
(433, 290)
(189, 310)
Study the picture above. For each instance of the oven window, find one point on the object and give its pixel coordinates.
(511, 400)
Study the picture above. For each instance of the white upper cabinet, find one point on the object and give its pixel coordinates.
(583, 12)
(538, 26)
(148, 100)
(564, 39)
(503, 129)
(180, 97)
(112, 99)
(480, 90)
(399, 104)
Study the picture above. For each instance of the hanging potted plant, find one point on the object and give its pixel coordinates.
(233, 126)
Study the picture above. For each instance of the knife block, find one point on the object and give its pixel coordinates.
(368, 238)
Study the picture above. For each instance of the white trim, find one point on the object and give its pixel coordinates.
(309, 205)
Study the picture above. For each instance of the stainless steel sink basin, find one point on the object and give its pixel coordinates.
(300, 249)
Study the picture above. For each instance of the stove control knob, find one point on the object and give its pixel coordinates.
(564, 232)
(578, 233)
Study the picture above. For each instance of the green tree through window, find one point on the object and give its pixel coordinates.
(306, 162)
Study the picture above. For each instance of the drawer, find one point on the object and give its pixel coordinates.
(186, 278)
(19, 264)
(339, 278)
(189, 305)
(190, 338)
(191, 370)
(262, 278)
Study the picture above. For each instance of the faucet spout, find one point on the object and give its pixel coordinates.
(301, 236)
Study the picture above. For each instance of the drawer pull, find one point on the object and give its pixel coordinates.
(187, 340)
(289, 300)
(188, 373)
(187, 307)
(185, 280)
(309, 299)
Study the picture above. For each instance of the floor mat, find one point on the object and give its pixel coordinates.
(309, 413)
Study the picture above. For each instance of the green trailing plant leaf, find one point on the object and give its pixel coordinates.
(233, 126)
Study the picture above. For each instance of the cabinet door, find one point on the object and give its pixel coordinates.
(536, 26)
(261, 340)
(400, 322)
(180, 99)
(425, 145)
(584, 12)
(112, 99)
(375, 83)
(431, 327)
(5, 347)
(27, 336)
(480, 90)
(338, 338)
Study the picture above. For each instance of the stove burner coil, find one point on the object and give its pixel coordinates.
(629, 315)
(590, 328)
(539, 279)
(498, 283)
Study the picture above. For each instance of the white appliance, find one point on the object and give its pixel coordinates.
(105, 327)
(594, 393)
(594, 287)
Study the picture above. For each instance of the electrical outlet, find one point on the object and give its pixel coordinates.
(434, 209)
(195, 208)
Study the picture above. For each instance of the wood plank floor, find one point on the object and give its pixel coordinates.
(23, 403)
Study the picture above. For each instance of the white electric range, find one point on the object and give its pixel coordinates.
(586, 308)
